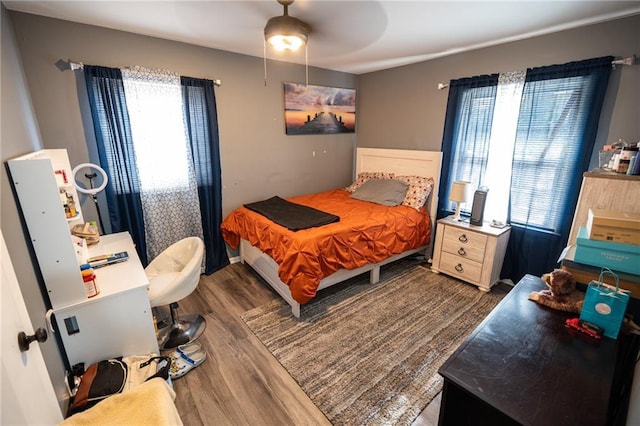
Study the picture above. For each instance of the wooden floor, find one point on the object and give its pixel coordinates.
(241, 383)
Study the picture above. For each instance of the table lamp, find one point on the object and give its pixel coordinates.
(460, 193)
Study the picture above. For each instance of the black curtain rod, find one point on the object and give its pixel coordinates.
(630, 60)
(79, 65)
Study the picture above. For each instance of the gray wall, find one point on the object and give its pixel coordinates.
(258, 159)
(20, 135)
(402, 107)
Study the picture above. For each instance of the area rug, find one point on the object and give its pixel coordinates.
(370, 354)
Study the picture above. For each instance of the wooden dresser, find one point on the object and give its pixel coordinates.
(605, 190)
(522, 366)
(610, 191)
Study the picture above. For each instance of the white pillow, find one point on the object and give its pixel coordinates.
(418, 191)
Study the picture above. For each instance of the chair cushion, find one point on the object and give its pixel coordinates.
(175, 272)
(162, 290)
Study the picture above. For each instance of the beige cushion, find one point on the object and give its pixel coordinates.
(365, 176)
(387, 192)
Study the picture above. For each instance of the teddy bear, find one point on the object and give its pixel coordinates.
(561, 294)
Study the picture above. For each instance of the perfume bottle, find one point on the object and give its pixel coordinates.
(71, 205)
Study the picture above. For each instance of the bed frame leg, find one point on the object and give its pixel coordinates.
(295, 310)
(374, 275)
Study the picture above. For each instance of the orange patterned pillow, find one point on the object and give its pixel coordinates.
(365, 176)
(418, 192)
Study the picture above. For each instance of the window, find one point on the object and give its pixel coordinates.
(523, 145)
(156, 135)
(470, 159)
(528, 137)
(547, 148)
(159, 136)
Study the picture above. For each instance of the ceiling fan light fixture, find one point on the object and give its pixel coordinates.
(282, 42)
(286, 32)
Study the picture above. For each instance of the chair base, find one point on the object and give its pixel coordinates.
(184, 330)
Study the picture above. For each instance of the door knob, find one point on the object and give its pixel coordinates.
(24, 341)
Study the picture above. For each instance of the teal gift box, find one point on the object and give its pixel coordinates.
(605, 254)
(605, 305)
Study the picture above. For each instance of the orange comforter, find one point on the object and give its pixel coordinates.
(366, 233)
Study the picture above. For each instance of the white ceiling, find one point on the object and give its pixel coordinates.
(352, 36)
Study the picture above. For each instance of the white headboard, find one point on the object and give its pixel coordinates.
(404, 162)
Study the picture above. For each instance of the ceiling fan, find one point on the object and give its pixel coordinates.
(286, 32)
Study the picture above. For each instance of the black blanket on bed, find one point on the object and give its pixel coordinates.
(290, 215)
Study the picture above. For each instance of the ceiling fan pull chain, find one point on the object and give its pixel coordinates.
(264, 56)
(306, 63)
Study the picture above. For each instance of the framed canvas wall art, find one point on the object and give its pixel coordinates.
(314, 110)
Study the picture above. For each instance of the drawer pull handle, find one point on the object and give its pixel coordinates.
(461, 251)
(463, 238)
(459, 267)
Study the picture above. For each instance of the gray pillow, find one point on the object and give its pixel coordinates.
(387, 192)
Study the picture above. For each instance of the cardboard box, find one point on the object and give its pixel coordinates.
(615, 256)
(614, 226)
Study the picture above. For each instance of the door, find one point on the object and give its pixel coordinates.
(28, 397)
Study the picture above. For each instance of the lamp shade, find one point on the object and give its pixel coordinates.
(460, 191)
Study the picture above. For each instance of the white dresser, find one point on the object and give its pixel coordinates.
(116, 322)
(471, 253)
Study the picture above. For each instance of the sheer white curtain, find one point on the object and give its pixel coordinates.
(503, 136)
(169, 190)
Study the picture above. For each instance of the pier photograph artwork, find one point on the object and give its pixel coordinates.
(313, 110)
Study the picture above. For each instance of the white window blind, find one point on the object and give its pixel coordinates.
(548, 141)
(521, 140)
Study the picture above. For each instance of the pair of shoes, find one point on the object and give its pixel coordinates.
(185, 363)
(186, 349)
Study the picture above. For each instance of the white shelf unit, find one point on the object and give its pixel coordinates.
(116, 322)
(38, 191)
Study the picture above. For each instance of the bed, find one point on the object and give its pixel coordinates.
(297, 264)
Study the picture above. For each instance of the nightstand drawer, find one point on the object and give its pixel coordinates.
(464, 243)
(465, 269)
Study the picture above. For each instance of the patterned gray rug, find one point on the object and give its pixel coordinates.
(369, 354)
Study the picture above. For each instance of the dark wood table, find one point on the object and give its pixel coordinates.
(523, 366)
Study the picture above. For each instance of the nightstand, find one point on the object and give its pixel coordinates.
(471, 253)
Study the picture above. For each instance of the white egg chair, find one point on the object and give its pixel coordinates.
(173, 275)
